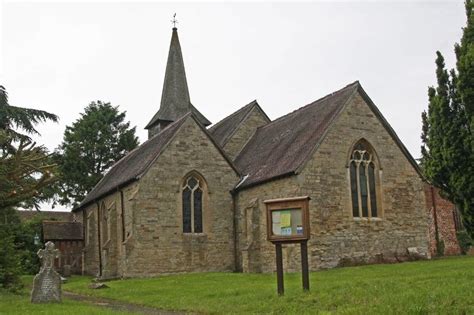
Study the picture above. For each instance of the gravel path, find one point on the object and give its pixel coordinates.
(118, 305)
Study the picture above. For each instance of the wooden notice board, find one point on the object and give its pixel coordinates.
(288, 219)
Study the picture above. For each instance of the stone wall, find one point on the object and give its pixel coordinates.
(244, 132)
(336, 237)
(91, 241)
(159, 244)
(255, 253)
(445, 220)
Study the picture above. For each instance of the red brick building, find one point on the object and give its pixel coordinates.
(68, 238)
(444, 219)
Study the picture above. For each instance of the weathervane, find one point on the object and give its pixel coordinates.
(174, 21)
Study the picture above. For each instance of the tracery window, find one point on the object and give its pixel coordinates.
(363, 178)
(192, 194)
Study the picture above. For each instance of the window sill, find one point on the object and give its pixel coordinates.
(194, 234)
(358, 219)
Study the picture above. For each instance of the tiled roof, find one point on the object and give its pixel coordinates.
(224, 129)
(55, 230)
(134, 164)
(282, 146)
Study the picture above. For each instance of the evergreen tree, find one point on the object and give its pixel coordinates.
(25, 171)
(465, 87)
(98, 139)
(448, 144)
(25, 168)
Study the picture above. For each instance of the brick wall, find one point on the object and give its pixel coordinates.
(445, 221)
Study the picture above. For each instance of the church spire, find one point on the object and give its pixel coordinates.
(175, 101)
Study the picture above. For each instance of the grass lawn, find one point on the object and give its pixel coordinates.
(441, 286)
(20, 304)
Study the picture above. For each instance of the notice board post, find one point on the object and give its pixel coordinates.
(288, 222)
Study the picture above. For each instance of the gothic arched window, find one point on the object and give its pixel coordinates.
(363, 178)
(192, 194)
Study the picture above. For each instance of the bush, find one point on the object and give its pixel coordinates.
(440, 248)
(10, 267)
(464, 241)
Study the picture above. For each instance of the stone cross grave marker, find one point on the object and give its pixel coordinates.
(47, 283)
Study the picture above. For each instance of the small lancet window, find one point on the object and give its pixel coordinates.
(363, 174)
(192, 192)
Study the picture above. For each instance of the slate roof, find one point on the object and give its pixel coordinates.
(224, 129)
(55, 230)
(281, 147)
(175, 101)
(134, 164)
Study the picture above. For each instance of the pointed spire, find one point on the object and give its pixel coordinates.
(175, 101)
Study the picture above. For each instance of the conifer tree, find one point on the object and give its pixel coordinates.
(448, 143)
(25, 167)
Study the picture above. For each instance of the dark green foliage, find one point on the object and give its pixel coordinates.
(25, 171)
(98, 139)
(13, 118)
(464, 241)
(10, 265)
(25, 168)
(448, 142)
(440, 248)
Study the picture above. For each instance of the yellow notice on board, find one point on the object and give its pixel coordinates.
(285, 219)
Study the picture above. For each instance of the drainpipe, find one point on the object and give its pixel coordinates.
(234, 212)
(435, 215)
(99, 240)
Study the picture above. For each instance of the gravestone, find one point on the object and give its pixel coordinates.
(47, 283)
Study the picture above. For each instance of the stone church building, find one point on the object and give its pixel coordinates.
(191, 198)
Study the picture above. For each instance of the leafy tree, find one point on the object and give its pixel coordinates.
(448, 143)
(93, 143)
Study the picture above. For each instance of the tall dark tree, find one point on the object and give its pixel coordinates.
(448, 143)
(25, 167)
(25, 172)
(465, 87)
(93, 143)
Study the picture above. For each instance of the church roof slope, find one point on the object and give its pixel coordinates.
(279, 148)
(134, 164)
(283, 146)
(224, 129)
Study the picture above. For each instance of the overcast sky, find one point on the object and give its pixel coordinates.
(61, 56)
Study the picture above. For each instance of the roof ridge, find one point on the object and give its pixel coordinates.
(232, 115)
(353, 84)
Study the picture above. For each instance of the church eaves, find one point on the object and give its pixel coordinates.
(175, 100)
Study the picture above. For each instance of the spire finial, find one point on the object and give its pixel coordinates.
(174, 21)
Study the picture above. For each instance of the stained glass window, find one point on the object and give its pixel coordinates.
(354, 193)
(363, 174)
(192, 192)
(198, 211)
(187, 210)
